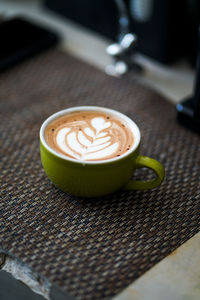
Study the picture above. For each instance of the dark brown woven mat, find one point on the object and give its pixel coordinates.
(91, 248)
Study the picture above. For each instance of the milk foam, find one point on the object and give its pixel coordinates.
(89, 137)
(79, 146)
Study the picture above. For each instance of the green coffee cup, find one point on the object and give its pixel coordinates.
(98, 178)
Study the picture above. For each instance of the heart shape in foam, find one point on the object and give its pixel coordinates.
(100, 124)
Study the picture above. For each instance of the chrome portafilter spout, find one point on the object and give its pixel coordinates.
(122, 50)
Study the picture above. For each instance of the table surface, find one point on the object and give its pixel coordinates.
(175, 82)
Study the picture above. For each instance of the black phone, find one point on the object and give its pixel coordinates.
(21, 39)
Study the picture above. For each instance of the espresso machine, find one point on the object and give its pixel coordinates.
(164, 30)
(189, 110)
(161, 27)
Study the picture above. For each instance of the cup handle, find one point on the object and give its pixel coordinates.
(147, 162)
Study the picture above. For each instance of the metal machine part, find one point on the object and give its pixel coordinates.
(122, 51)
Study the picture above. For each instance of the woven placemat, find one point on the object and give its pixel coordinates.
(91, 248)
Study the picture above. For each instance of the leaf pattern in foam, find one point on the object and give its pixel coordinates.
(88, 142)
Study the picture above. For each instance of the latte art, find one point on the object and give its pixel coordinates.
(89, 136)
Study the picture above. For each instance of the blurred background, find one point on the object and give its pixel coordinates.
(158, 37)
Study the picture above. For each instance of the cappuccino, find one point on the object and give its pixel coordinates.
(89, 136)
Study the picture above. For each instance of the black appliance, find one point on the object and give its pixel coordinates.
(166, 30)
(188, 111)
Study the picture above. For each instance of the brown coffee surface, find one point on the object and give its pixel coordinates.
(89, 135)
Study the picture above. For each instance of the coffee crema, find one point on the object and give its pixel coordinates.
(89, 135)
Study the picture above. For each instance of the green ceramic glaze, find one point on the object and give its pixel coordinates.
(96, 179)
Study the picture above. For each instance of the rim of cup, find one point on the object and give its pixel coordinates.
(132, 125)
